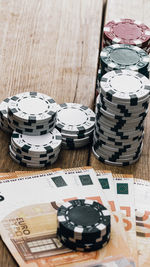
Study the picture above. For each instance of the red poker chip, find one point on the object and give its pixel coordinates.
(127, 31)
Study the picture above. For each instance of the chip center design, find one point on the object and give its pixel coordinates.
(125, 83)
(124, 56)
(84, 215)
(72, 116)
(32, 105)
(131, 31)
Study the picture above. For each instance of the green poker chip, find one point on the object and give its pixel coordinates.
(123, 56)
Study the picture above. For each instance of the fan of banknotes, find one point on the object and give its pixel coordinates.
(28, 216)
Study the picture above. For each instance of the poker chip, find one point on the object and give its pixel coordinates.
(31, 113)
(76, 124)
(75, 118)
(121, 109)
(35, 164)
(76, 143)
(125, 112)
(114, 142)
(102, 146)
(112, 161)
(78, 136)
(29, 158)
(27, 130)
(83, 225)
(47, 143)
(87, 247)
(127, 31)
(123, 56)
(35, 151)
(32, 107)
(125, 86)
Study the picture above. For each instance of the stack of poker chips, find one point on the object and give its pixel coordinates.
(35, 151)
(83, 225)
(121, 108)
(127, 31)
(32, 113)
(76, 124)
(122, 56)
(31, 118)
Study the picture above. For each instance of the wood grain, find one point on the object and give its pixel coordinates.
(50, 47)
(139, 10)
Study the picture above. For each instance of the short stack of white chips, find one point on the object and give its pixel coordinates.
(32, 113)
(35, 151)
(76, 124)
(31, 116)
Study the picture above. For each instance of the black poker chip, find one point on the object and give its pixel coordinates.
(81, 221)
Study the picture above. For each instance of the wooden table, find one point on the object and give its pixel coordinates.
(53, 47)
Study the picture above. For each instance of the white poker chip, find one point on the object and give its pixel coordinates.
(75, 143)
(124, 86)
(38, 144)
(31, 130)
(119, 134)
(103, 121)
(74, 118)
(114, 163)
(32, 107)
(36, 126)
(131, 159)
(32, 160)
(30, 156)
(33, 165)
(129, 155)
(78, 136)
(126, 113)
(82, 140)
(124, 105)
(114, 144)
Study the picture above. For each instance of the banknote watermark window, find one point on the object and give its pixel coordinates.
(85, 179)
(122, 188)
(104, 183)
(59, 181)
